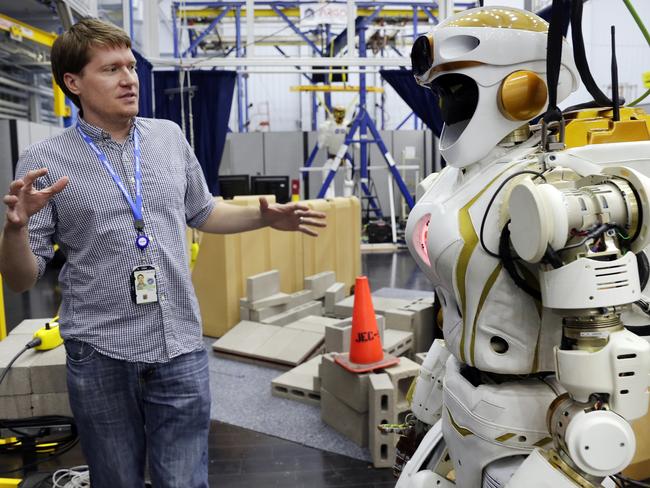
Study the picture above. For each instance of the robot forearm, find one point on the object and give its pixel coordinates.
(427, 399)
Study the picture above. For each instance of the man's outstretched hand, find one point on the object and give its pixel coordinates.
(23, 200)
(291, 217)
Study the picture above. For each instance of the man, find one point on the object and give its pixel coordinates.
(116, 193)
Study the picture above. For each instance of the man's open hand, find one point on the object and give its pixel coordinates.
(291, 217)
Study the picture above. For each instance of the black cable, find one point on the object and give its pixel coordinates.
(509, 264)
(553, 59)
(487, 210)
(33, 343)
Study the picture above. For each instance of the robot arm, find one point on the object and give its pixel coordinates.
(583, 233)
(427, 399)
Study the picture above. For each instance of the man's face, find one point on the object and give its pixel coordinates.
(108, 85)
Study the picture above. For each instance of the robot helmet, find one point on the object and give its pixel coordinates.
(339, 113)
(488, 68)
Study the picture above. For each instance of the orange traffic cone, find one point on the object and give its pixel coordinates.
(366, 353)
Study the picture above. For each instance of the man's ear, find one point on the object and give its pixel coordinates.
(72, 82)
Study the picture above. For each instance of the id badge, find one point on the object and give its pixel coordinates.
(144, 288)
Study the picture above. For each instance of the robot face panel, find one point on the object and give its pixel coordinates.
(339, 114)
(487, 66)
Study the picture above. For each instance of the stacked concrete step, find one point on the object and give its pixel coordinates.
(36, 383)
(301, 383)
(354, 404)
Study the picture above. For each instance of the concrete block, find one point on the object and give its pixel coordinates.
(28, 327)
(272, 301)
(350, 388)
(419, 357)
(265, 313)
(397, 342)
(334, 294)
(399, 319)
(17, 381)
(244, 313)
(51, 404)
(299, 383)
(381, 304)
(402, 375)
(381, 401)
(48, 372)
(344, 419)
(337, 336)
(294, 314)
(320, 282)
(262, 285)
(423, 325)
(300, 298)
(15, 406)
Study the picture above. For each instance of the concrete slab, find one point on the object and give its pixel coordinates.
(333, 295)
(344, 419)
(298, 383)
(272, 301)
(244, 313)
(262, 285)
(245, 336)
(265, 313)
(320, 282)
(294, 314)
(300, 298)
(313, 323)
(344, 307)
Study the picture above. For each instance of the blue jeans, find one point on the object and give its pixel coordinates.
(125, 411)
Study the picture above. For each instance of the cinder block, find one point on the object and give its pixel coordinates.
(244, 313)
(28, 327)
(397, 342)
(300, 298)
(48, 372)
(17, 381)
(350, 388)
(338, 335)
(262, 285)
(344, 419)
(272, 301)
(334, 294)
(320, 282)
(299, 383)
(381, 401)
(15, 406)
(51, 404)
(265, 313)
(402, 375)
(294, 314)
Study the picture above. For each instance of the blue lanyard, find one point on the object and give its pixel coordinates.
(136, 207)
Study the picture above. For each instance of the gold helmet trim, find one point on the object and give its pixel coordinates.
(499, 17)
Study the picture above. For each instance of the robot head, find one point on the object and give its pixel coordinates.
(488, 68)
(339, 114)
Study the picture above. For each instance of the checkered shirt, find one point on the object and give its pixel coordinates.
(93, 224)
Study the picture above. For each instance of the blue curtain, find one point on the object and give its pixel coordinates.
(421, 100)
(211, 102)
(143, 67)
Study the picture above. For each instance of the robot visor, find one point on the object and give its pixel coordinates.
(457, 97)
(421, 56)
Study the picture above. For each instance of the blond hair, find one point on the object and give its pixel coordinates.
(71, 50)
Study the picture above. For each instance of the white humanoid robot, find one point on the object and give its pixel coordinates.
(331, 136)
(532, 257)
